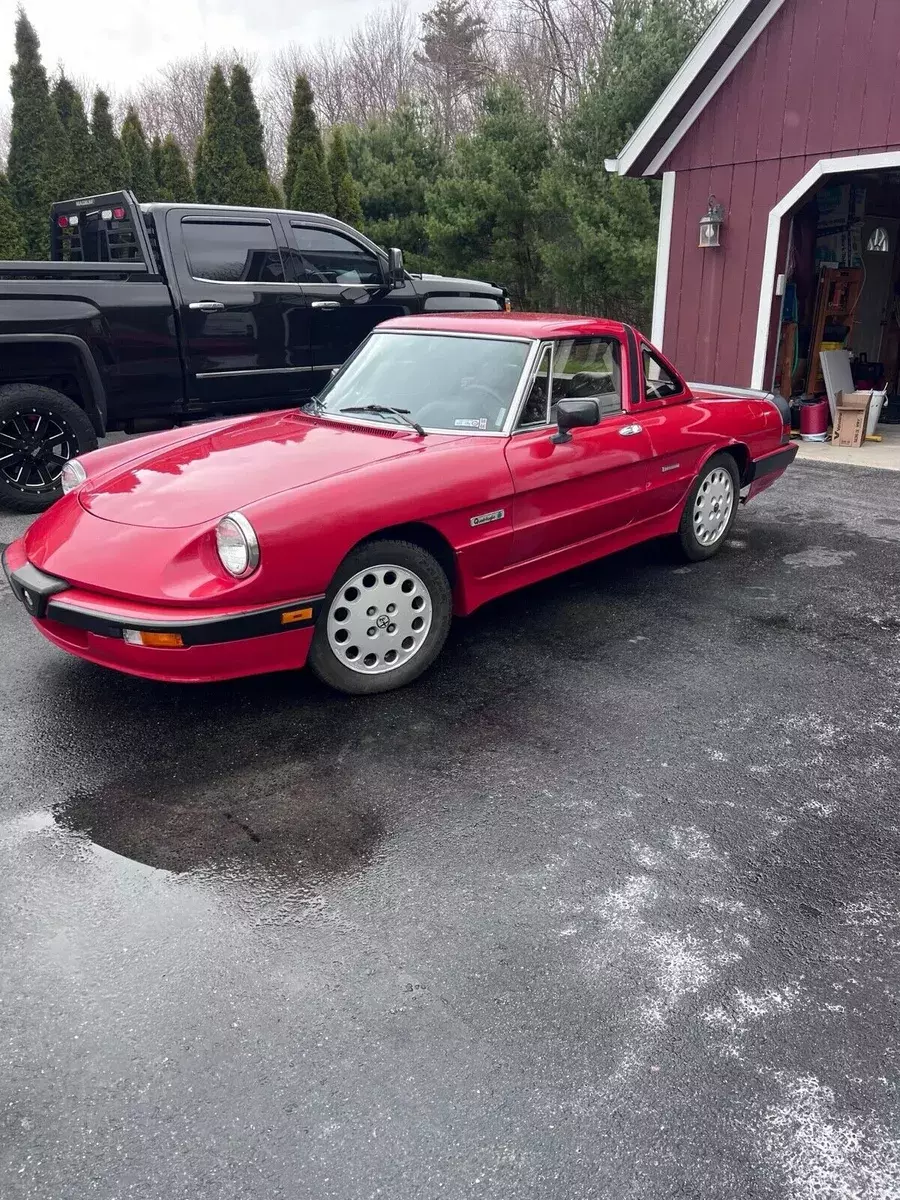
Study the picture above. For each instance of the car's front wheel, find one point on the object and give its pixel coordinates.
(711, 508)
(385, 619)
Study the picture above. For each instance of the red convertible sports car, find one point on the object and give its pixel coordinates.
(453, 458)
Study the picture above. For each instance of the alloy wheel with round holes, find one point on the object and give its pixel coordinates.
(385, 618)
(711, 508)
(40, 431)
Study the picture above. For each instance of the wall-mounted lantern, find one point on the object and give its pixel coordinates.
(879, 242)
(711, 224)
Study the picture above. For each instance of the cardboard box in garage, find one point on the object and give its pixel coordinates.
(851, 414)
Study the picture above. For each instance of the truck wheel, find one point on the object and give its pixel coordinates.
(384, 621)
(40, 430)
(711, 508)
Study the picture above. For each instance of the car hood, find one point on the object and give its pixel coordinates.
(227, 466)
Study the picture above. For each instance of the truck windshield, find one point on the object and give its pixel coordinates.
(446, 382)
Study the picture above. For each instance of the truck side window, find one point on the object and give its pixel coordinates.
(232, 251)
(658, 383)
(329, 257)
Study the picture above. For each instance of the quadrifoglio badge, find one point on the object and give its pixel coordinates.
(484, 518)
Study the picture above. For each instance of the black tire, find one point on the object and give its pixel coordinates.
(324, 661)
(694, 548)
(30, 483)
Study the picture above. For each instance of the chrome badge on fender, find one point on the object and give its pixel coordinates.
(498, 515)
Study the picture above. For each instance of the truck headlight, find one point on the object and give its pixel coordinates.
(237, 545)
(73, 476)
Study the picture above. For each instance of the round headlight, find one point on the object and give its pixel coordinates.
(237, 545)
(73, 476)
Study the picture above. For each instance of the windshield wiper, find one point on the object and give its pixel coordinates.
(402, 413)
(316, 402)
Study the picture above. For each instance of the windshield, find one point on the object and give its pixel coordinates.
(457, 384)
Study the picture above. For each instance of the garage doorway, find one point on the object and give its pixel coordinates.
(841, 285)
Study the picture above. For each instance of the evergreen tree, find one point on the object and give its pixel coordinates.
(453, 61)
(395, 162)
(312, 184)
(485, 214)
(81, 177)
(174, 173)
(346, 193)
(250, 130)
(600, 230)
(222, 175)
(303, 132)
(112, 169)
(137, 157)
(156, 162)
(12, 240)
(37, 149)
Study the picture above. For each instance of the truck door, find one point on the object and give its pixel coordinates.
(345, 281)
(245, 325)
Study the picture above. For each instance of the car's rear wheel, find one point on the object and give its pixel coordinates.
(711, 508)
(40, 430)
(385, 619)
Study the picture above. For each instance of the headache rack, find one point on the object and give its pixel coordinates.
(100, 229)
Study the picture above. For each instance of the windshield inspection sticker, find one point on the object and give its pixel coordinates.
(470, 423)
(486, 517)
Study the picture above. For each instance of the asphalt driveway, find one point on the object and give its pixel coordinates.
(608, 906)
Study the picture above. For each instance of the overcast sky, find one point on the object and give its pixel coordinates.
(116, 43)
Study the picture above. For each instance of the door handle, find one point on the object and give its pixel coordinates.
(630, 430)
(207, 306)
(326, 304)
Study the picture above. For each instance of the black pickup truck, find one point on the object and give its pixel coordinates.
(154, 315)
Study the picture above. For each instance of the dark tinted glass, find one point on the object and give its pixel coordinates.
(329, 257)
(232, 251)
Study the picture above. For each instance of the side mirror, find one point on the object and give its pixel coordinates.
(573, 414)
(396, 273)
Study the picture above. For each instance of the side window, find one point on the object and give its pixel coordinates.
(536, 409)
(588, 368)
(232, 251)
(658, 383)
(329, 257)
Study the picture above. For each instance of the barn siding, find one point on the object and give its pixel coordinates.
(824, 75)
(822, 79)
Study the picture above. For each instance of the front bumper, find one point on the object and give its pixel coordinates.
(216, 644)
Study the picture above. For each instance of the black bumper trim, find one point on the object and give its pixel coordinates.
(203, 631)
(33, 588)
(761, 467)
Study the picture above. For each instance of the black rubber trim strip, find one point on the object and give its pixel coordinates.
(200, 632)
(761, 467)
(636, 392)
(32, 587)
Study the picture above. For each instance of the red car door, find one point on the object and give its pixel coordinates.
(593, 485)
(679, 428)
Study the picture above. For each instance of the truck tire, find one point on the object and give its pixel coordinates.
(40, 430)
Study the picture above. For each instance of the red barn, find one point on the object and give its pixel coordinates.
(785, 122)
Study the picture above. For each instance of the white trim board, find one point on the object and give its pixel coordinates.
(711, 40)
(714, 84)
(663, 249)
(886, 160)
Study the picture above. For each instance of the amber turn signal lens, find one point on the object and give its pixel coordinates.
(296, 614)
(158, 641)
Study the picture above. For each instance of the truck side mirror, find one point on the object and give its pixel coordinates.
(396, 274)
